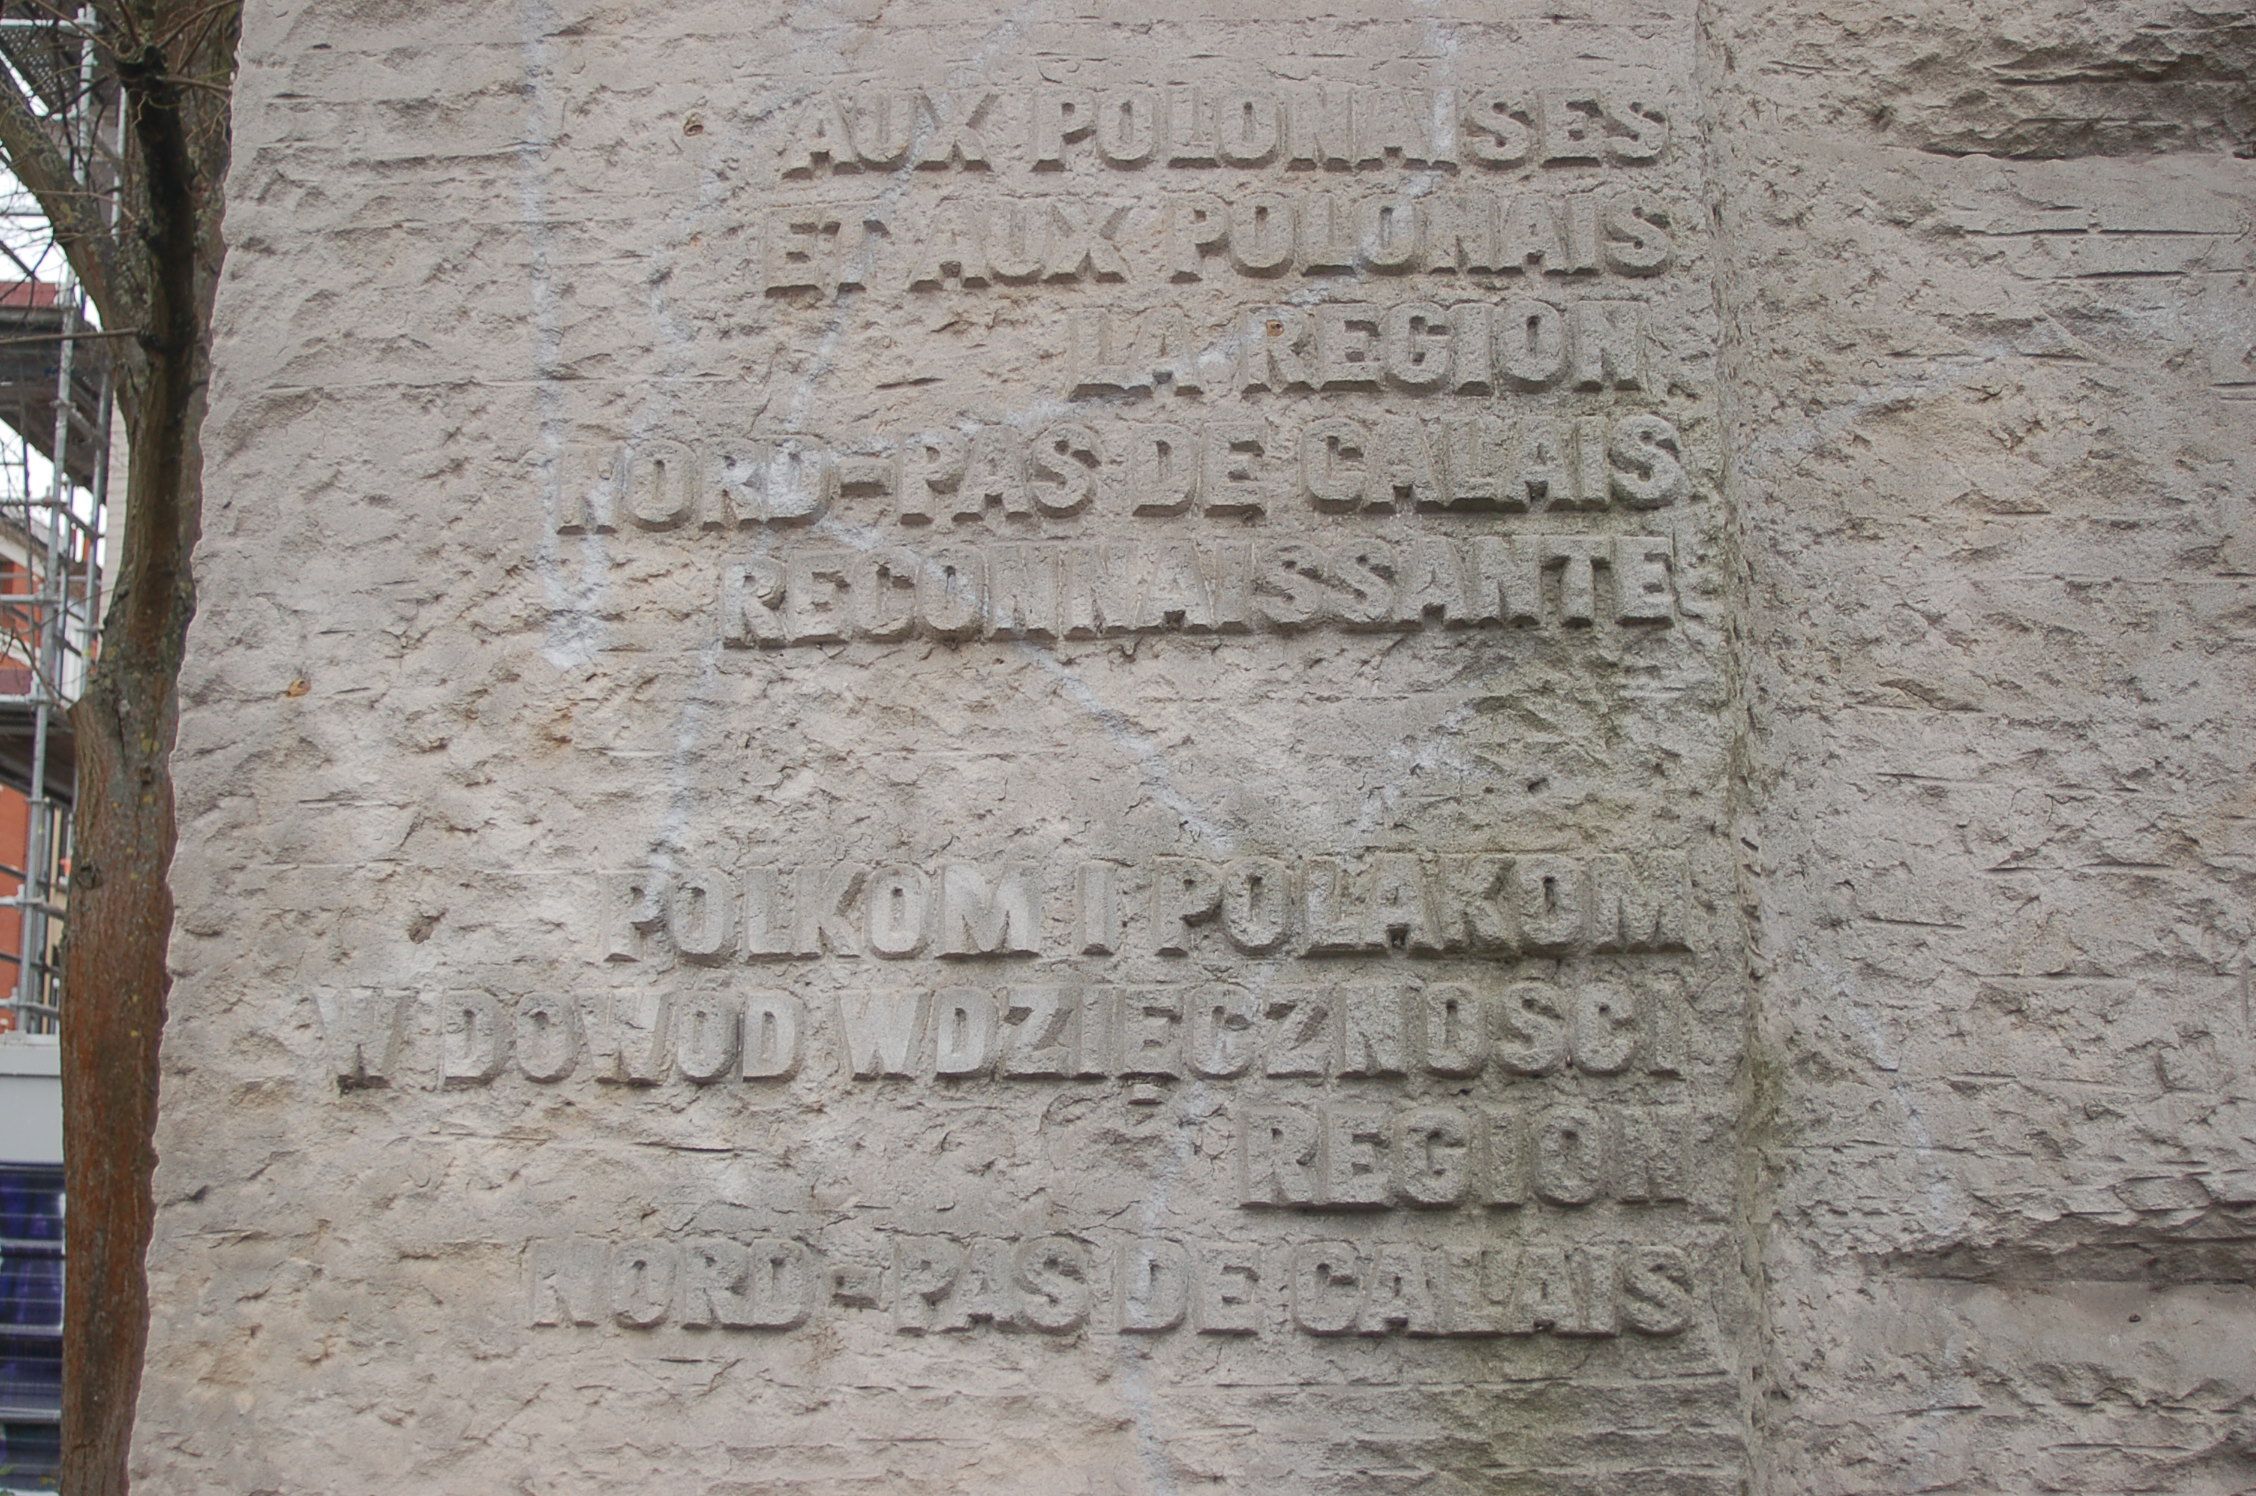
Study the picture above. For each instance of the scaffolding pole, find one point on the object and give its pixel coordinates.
(63, 553)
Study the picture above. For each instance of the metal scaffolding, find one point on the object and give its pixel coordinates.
(55, 456)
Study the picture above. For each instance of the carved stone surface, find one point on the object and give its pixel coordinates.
(1102, 751)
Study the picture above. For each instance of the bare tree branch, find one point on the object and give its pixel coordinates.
(200, 18)
(29, 273)
(41, 165)
(133, 20)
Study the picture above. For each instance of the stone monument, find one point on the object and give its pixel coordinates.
(1095, 749)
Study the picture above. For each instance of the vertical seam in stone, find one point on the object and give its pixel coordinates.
(1756, 1099)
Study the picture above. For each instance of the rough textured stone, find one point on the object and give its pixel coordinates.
(1990, 445)
(1074, 749)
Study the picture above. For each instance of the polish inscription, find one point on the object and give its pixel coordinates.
(1492, 904)
(1149, 1286)
(1513, 1030)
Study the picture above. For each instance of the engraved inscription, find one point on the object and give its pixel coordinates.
(1325, 126)
(1237, 468)
(1405, 903)
(1397, 380)
(1509, 1027)
(1073, 1285)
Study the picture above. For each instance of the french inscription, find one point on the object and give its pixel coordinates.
(1059, 242)
(1240, 469)
(1524, 343)
(1324, 126)
(1091, 591)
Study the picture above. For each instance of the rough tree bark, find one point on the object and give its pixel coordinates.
(151, 267)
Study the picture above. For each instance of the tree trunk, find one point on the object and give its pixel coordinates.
(120, 914)
(114, 973)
